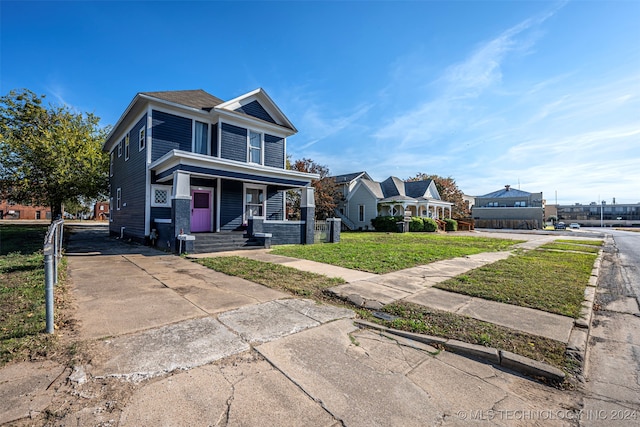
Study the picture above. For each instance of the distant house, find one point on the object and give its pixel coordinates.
(186, 162)
(101, 211)
(11, 210)
(363, 199)
(509, 208)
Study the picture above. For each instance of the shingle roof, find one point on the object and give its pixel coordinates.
(392, 186)
(191, 98)
(374, 187)
(416, 188)
(348, 177)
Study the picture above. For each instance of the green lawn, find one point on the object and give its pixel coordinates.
(552, 281)
(386, 252)
(22, 307)
(276, 276)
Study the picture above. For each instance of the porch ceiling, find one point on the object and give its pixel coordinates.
(214, 167)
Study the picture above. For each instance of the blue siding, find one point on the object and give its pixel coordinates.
(274, 151)
(160, 213)
(129, 176)
(256, 110)
(234, 143)
(274, 204)
(169, 132)
(230, 205)
(214, 140)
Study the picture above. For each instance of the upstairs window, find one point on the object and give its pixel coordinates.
(126, 147)
(141, 140)
(255, 147)
(200, 138)
(120, 149)
(111, 164)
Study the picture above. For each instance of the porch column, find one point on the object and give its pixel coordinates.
(308, 214)
(181, 208)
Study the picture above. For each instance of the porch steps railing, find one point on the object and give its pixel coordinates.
(346, 222)
(224, 241)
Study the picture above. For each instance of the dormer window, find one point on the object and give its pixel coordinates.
(255, 147)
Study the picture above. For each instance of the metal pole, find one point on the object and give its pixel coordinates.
(55, 255)
(48, 286)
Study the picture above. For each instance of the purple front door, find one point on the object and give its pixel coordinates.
(201, 211)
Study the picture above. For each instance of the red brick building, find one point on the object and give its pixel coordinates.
(10, 210)
(101, 211)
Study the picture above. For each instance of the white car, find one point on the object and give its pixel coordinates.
(574, 225)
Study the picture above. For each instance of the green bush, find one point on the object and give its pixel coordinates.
(451, 225)
(430, 224)
(386, 223)
(416, 224)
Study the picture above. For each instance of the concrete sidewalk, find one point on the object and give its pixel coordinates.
(170, 342)
(415, 285)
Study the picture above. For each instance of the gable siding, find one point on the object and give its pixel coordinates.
(274, 204)
(274, 151)
(169, 132)
(256, 110)
(234, 143)
(230, 205)
(362, 197)
(129, 176)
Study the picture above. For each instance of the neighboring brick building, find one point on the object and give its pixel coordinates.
(101, 211)
(10, 210)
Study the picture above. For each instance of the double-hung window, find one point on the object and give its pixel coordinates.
(200, 139)
(141, 140)
(254, 201)
(361, 213)
(255, 147)
(118, 199)
(126, 147)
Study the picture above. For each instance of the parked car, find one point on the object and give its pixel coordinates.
(574, 225)
(561, 226)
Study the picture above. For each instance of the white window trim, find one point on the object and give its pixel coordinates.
(111, 158)
(246, 186)
(167, 188)
(111, 209)
(118, 198)
(142, 143)
(120, 148)
(261, 146)
(193, 136)
(363, 213)
(127, 147)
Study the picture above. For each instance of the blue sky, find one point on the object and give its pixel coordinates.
(541, 95)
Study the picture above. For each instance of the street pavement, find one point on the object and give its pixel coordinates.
(170, 342)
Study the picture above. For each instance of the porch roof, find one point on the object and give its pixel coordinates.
(214, 167)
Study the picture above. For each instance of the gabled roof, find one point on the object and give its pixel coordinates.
(191, 98)
(340, 179)
(234, 106)
(374, 187)
(506, 192)
(417, 189)
(393, 186)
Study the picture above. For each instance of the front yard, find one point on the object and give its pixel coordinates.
(382, 253)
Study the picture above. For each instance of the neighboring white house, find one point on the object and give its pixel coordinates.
(363, 199)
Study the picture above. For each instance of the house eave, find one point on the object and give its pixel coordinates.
(259, 123)
(202, 165)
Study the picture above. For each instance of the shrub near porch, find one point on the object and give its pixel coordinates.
(382, 253)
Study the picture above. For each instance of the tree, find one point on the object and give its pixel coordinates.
(449, 191)
(326, 189)
(50, 155)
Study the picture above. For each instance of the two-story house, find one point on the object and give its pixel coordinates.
(509, 208)
(185, 162)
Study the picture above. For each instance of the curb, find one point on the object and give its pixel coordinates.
(579, 336)
(506, 359)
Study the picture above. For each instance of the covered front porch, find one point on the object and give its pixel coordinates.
(195, 195)
(435, 209)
